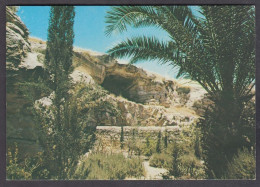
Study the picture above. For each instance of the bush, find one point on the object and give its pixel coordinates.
(149, 147)
(25, 169)
(14, 169)
(190, 167)
(183, 90)
(243, 166)
(134, 168)
(184, 164)
(161, 160)
(103, 166)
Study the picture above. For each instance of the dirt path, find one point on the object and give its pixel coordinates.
(152, 173)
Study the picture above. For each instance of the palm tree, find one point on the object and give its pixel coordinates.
(216, 49)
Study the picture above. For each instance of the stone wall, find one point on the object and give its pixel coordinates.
(108, 137)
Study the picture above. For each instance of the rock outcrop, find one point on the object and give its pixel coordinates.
(17, 44)
(136, 114)
(20, 66)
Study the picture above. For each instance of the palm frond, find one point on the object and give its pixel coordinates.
(144, 48)
(119, 17)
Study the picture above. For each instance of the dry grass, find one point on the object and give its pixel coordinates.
(182, 110)
(36, 40)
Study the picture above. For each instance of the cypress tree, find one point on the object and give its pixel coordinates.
(58, 148)
(59, 51)
(122, 137)
(165, 140)
(158, 144)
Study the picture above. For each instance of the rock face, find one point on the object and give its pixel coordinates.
(20, 66)
(136, 114)
(17, 44)
(138, 85)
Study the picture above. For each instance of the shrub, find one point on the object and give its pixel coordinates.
(196, 145)
(40, 50)
(149, 147)
(160, 160)
(190, 167)
(25, 169)
(14, 169)
(134, 167)
(114, 166)
(183, 90)
(242, 166)
(185, 165)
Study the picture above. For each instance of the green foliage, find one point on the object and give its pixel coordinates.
(149, 147)
(26, 168)
(165, 140)
(112, 167)
(122, 137)
(181, 162)
(14, 170)
(77, 137)
(158, 143)
(160, 160)
(215, 62)
(175, 154)
(40, 50)
(64, 133)
(214, 126)
(61, 135)
(191, 167)
(197, 145)
(183, 90)
(242, 166)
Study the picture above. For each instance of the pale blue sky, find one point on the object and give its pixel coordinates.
(89, 27)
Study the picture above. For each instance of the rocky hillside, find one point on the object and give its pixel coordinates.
(143, 98)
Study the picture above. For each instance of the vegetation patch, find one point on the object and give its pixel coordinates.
(183, 90)
(160, 160)
(108, 166)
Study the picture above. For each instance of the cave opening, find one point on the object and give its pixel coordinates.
(118, 85)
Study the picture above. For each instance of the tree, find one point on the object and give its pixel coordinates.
(58, 63)
(122, 137)
(165, 140)
(64, 134)
(216, 49)
(158, 144)
(174, 170)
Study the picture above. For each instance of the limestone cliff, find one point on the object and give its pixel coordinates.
(19, 123)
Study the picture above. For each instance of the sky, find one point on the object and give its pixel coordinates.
(89, 27)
